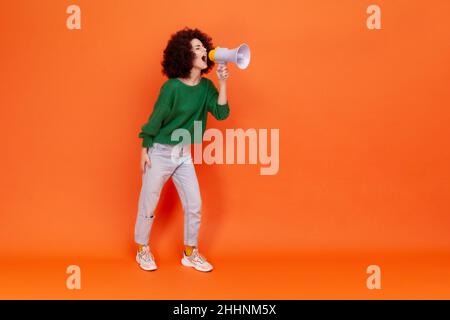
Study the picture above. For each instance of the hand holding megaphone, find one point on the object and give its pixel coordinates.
(222, 72)
(240, 56)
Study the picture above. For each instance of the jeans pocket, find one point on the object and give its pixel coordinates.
(157, 146)
(163, 147)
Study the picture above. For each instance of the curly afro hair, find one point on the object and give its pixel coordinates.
(178, 55)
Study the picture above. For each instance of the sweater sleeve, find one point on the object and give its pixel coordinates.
(160, 112)
(220, 112)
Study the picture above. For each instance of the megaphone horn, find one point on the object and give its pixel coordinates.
(240, 55)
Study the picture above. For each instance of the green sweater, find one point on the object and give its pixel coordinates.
(178, 106)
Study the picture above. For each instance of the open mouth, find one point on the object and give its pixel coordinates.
(204, 58)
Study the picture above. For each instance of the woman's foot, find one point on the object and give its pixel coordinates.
(197, 261)
(145, 259)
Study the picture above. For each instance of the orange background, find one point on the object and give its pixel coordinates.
(364, 149)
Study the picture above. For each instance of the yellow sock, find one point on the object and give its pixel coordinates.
(188, 250)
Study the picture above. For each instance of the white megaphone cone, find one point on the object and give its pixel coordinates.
(240, 56)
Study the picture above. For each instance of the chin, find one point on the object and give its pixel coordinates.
(201, 67)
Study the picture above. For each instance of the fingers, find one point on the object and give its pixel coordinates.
(222, 72)
(222, 68)
(146, 165)
(223, 77)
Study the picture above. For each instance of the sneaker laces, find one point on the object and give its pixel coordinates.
(197, 256)
(146, 255)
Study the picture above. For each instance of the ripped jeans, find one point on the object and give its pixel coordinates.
(169, 161)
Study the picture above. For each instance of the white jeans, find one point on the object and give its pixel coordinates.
(169, 161)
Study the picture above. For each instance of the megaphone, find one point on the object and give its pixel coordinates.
(240, 55)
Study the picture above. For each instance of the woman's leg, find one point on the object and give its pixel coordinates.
(185, 180)
(153, 180)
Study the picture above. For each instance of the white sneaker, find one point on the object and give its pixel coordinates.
(145, 259)
(197, 261)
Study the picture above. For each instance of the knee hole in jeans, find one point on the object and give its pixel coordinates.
(146, 216)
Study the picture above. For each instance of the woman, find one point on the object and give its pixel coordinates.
(184, 98)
